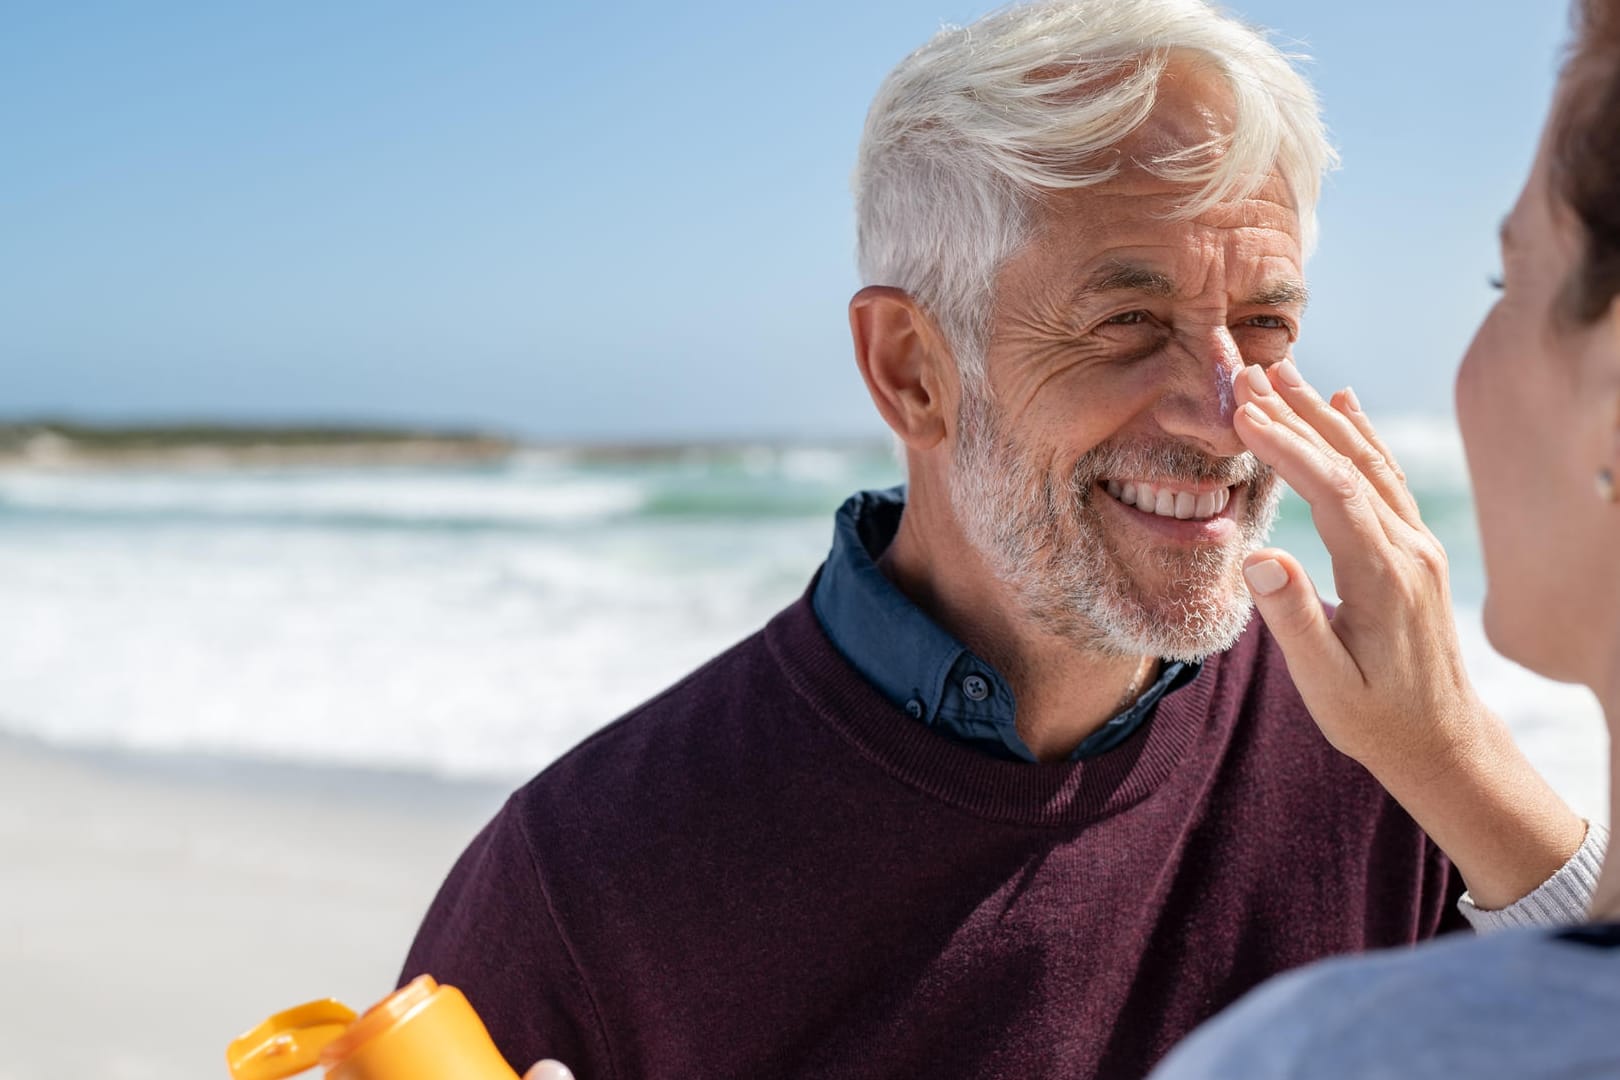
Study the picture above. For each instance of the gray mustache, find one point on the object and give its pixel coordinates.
(1170, 461)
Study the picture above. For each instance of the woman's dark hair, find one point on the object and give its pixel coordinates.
(1586, 155)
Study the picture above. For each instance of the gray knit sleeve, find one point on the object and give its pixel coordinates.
(1561, 900)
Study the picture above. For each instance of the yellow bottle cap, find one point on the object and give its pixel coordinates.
(289, 1042)
(422, 1031)
(396, 1008)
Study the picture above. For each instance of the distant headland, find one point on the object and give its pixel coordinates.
(57, 444)
(70, 445)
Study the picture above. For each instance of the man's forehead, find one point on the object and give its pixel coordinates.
(1138, 203)
(1143, 240)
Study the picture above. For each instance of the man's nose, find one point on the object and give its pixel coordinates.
(1199, 404)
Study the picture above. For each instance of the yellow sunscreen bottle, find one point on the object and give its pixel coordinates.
(422, 1031)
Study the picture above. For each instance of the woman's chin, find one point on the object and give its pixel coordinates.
(1516, 631)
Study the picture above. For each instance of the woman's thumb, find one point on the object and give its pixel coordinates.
(549, 1070)
(1286, 599)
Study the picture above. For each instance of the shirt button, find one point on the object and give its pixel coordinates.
(914, 709)
(975, 688)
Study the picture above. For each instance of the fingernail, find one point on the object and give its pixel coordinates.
(1257, 379)
(1266, 577)
(1288, 374)
(1256, 414)
(1351, 400)
(549, 1070)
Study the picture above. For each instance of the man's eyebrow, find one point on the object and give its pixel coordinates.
(1128, 277)
(1132, 277)
(1285, 292)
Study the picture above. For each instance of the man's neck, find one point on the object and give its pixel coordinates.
(1064, 693)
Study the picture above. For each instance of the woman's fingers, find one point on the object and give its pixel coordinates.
(1342, 502)
(1345, 402)
(1352, 436)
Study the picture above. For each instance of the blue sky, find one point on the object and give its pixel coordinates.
(614, 221)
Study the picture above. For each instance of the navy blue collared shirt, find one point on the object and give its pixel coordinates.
(918, 664)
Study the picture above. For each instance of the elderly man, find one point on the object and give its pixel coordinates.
(1015, 789)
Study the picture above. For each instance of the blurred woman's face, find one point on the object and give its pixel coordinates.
(1538, 404)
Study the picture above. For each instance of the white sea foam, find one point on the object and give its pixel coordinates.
(1430, 451)
(471, 656)
(813, 464)
(305, 494)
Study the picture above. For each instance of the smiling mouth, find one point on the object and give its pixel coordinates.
(1170, 501)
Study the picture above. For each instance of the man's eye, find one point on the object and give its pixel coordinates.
(1129, 318)
(1270, 322)
(1495, 281)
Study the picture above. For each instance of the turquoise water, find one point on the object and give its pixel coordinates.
(479, 621)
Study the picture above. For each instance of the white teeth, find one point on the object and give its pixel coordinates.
(1167, 502)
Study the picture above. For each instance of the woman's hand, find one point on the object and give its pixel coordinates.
(1384, 677)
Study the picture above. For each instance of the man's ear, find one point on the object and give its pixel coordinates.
(904, 360)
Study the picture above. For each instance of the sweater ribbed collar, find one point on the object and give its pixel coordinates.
(1037, 794)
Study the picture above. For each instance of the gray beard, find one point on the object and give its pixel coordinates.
(1046, 541)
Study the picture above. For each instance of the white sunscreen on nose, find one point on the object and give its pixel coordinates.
(1226, 390)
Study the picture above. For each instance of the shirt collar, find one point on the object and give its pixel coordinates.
(915, 662)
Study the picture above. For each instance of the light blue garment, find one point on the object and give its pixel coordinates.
(1520, 1005)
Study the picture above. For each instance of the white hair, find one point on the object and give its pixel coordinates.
(967, 131)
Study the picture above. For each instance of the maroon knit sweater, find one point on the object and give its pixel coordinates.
(771, 871)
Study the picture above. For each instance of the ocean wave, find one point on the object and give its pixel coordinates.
(561, 487)
(1430, 451)
(469, 657)
(539, 490)
(345, 500)
(478, 657)
(492, 617)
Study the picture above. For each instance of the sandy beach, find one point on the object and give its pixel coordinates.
(153, 908)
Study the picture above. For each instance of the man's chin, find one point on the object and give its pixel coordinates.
(1216, 636)
(1182, 620)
